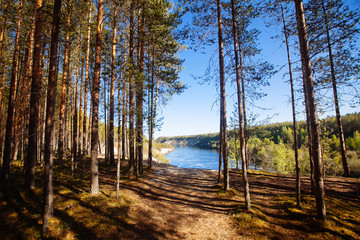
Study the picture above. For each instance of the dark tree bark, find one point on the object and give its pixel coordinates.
(86, 87)
(112, 91)
(75, 138)
(2, 33)
(95, 104)
(222, 97)
(132, 169)
(65, 84)
(80, 132)
(123, 119)
(9, 135)
(31, 156)
(118, 166)
(220, 149)
(140, 94)
(153, 109)
(336, 99)
(243, 104)
(239, 94)
(315, 130)
(297, 168)
(48, 201)
(2, 72)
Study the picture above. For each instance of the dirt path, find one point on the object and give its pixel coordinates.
(178, 203)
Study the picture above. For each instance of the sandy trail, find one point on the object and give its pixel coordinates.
(178, 203)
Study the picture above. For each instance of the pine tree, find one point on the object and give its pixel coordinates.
(313, 119)
(48, 201)
(9, 136)
(34, 101)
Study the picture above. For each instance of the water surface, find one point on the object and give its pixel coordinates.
(190, 157)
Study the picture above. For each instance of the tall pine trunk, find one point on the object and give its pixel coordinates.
(48, 201)
(31, 156)
(86, 86)
(297, 168)
(222, 98)
(9, 135)
(75, 116)
(336, 99)
(62, 123)
(95, 104)
(242, 135)
(132, 169)
(140, 93)
(2, 72)
(313, 119)
(112, 91)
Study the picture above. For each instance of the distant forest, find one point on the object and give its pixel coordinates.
(270, 145)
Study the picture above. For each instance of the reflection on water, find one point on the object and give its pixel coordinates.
(189, 157)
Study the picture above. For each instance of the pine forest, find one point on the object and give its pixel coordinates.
(83, 89)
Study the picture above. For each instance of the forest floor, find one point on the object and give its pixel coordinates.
(176, 203)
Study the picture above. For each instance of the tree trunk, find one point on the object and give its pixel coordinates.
(95, 105)
(222, 97)
(118, 147)
(247, 162)
(220, 149)
(153, 118)
(336, 100)
(2, 59)
(132, 169)
(9, 135)
(81, 109)
(2, 74)
(84, 146)
(64, 85)
(124, 120)
(75, 116)
(112, 91)
(31, 156)
(42, 104)
(297, 168)
(239, 93)
(140, 94)
(48, 201)
(152, 108)
(315, 130)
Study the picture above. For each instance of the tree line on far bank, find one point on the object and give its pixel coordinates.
(270, 145)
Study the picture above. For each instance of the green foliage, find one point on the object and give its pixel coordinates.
(271, 146)
(353, 143)
(271, 156)
(207, 141)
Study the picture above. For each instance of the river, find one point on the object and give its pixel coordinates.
(189, 157)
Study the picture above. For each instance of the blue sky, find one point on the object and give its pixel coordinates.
(195, 110)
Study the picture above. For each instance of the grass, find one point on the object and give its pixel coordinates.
(284, 220)
(77, 213)
(80, 215)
